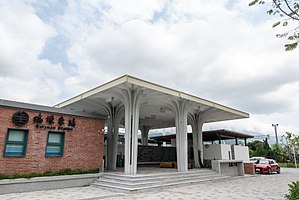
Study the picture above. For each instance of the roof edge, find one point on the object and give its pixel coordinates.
(150, 85)
(35, 107)
(177, 93)
(92, 91)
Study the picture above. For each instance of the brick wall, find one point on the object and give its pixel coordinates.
(249, 168)
(83, 146)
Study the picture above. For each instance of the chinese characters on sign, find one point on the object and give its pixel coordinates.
(60, 121)
(72, 122)
(21, 118)
(50, 121)
(38, 119)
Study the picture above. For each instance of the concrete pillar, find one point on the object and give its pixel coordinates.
(173, 142)
(193, 118)
(199, 140)
(132, 99)
(196, 120)
(113, 121)
(181, 109)
(112, 137)
(144, 134)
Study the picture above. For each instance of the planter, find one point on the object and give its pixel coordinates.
(46, 183)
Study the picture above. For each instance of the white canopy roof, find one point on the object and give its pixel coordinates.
(154, 110)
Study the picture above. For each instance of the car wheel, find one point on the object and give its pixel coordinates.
(278, 171)
(270, 171)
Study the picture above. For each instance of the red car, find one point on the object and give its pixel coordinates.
(266, 166)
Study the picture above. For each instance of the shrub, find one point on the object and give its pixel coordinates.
(288, 165)
(207, 163)
(293, 191)
(48, 173)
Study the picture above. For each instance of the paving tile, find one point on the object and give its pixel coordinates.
(257, 187)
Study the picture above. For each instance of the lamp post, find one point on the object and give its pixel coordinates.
(275, 129)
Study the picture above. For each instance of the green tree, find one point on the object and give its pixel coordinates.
(291, 141)
(288, 11)
(278, 152)
(260, 148)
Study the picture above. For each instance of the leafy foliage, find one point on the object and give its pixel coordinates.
(260, 148)
(292, 46)
(279, 154)
(288, 11)
(293, 191)
(291, 141)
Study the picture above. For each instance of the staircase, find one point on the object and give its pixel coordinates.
(129, 183)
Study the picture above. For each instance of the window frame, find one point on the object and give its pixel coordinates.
(23, 143)
(60, 144)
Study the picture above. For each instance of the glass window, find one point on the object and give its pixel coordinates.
(261, 161)
(55, 144)
(16, 142)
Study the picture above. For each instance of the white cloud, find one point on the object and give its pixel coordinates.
(205, 49)
(121, 11)
(23, 76)
(214, 49)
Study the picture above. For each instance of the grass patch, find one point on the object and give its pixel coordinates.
(49, 173)
(287, 165)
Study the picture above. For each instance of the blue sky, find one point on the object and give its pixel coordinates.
(224, 51)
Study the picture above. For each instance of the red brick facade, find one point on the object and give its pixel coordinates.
(83, 146)
(249, 168)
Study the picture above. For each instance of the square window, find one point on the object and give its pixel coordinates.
(55, 144)
(16, 142)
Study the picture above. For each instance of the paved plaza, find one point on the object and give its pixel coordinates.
(250, 187)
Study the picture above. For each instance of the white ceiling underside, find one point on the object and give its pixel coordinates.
(154, 110)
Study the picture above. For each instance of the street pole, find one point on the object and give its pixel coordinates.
(275, 129)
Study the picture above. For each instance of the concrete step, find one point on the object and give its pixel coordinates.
(154, 181)
(155, 177)
(120, 182)
(161, 185)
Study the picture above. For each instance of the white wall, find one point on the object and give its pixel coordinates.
(226, 152)
(211, 152)
(217, 151)
(241, 153)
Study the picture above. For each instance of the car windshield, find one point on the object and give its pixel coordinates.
(263, 161)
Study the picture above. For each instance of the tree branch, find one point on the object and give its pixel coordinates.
(284, 12)
(291, 9)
